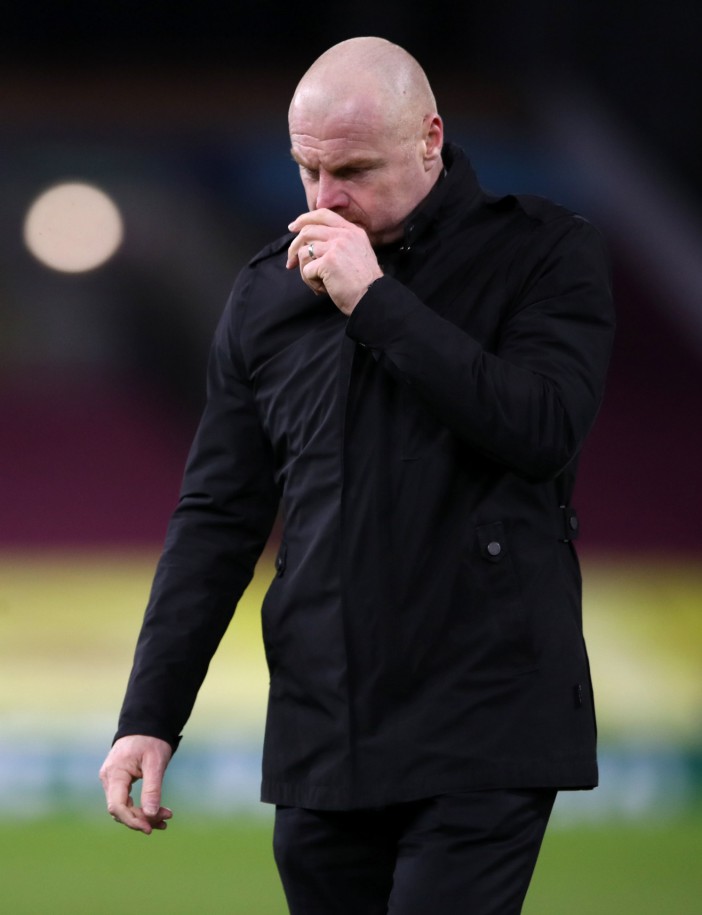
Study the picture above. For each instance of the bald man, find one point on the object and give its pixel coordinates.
(410, 374)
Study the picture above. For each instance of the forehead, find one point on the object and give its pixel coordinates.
(334, 152)
(337, 132)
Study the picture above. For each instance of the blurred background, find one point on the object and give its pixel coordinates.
(143, 160)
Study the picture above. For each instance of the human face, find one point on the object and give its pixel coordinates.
(351, 163)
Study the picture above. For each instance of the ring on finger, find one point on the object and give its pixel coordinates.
(310, 250)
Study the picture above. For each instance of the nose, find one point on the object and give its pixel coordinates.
(330, 192)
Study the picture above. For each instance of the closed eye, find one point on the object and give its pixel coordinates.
(350, 171)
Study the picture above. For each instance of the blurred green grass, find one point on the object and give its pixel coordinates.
(636, 868)
(67, 865)
(70, 867)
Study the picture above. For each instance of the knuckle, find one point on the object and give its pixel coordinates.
(105, 773)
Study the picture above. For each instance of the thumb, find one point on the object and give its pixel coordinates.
(153, 767)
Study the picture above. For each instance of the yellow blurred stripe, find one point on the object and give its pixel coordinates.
(68, 623)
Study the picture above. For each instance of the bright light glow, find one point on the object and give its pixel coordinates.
(73, 227)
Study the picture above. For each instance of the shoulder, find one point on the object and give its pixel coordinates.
(549, 220)
(271, 250)
(533, 211)
(541, 230)
(269, 304)
(264, 273)
(266, 269)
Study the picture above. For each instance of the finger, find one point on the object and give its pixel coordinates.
(312, 269)
(129, 815)
(117, 783)
(295, 254)
(302, 251)
(134, 818)
(321, 217)
(160, 821)
(153, 768)
(298, 252)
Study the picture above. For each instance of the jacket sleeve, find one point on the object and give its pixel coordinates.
(530, 401)
(224, 515)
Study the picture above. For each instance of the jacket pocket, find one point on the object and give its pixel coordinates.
(497, 601)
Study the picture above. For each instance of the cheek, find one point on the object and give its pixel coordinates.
(387, 202)
(376, 201)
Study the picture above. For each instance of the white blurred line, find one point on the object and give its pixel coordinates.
(635, 198)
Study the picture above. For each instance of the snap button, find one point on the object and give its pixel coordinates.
(494, 548)
(573, 522)
(280, 560)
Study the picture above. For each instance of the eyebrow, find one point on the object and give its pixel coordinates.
(360, 162)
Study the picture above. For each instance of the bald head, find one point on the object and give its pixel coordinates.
(372, 74)
(366, 135)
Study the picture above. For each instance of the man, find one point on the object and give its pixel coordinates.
(412, 373)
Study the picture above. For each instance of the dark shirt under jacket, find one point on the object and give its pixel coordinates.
(423, 631)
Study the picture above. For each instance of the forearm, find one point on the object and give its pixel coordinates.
(227, 507)
(529, 400)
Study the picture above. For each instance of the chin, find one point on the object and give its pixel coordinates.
(379, 239)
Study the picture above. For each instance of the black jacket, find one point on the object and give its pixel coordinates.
(423, 631)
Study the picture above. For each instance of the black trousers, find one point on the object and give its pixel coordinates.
(472, 853)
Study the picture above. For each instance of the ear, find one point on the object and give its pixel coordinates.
(433, 140)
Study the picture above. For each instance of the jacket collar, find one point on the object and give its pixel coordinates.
(458, 187)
